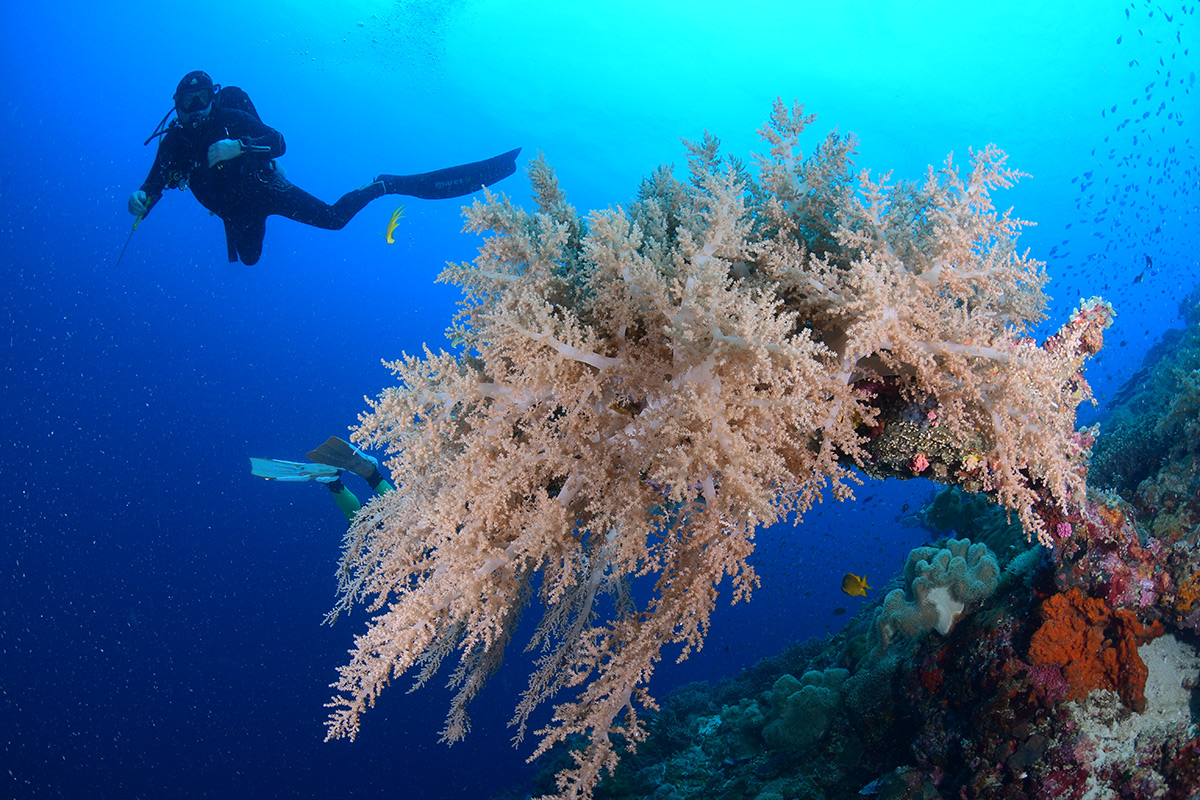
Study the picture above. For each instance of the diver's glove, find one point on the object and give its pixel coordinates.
(139, 204)
(224, 150)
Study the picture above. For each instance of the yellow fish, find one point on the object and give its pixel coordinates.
(855, 585)
(396, 215)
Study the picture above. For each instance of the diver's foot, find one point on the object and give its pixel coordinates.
(334, 482)
(341, 454)
(367, 467)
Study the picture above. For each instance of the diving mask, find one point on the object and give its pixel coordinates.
(195, 102)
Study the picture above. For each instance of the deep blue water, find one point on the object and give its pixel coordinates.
(160, 609)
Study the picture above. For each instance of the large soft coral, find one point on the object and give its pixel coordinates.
(1094, 646)
(637, 393)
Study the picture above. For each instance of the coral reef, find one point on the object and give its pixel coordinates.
(1077, 676)
(1094, 645)
(1081, 700)
(941, 583)
(1156, 418)
(640, 390)
(801, 709)
(971, 516)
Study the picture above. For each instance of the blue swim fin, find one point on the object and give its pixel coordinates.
(274, 469)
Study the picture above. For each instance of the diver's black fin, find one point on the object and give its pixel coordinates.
(339, 453)
(453, 181)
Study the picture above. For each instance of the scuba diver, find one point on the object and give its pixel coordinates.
(331, 459)
(218, 147)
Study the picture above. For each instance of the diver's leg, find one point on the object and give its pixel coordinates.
(297, 204)
(245, 236)
(340, 454)
(382, 486)
(345, 499)
(231, 241)
(274, 469)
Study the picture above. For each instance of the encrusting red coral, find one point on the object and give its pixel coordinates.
(1188, 594)
(1094, 646)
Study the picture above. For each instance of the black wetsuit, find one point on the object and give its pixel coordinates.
(245, 190)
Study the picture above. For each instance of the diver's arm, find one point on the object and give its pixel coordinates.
(164, 160)
(254, 135)
(164, 167)
(269, 144)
